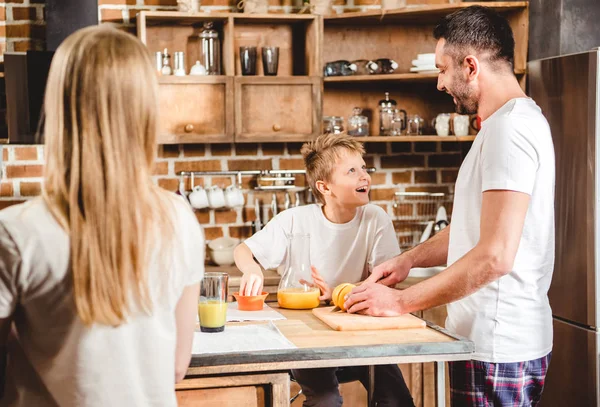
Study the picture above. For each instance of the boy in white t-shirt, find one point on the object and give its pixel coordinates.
(348, 237)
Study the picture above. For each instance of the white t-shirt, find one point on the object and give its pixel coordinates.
(342, 253)
(56, 360)
(510, 319)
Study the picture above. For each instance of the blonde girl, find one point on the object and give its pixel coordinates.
(99, 277)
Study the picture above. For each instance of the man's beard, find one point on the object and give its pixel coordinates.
(466, 102)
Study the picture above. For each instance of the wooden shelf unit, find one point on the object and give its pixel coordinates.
(232, 107)
(400, 35)
(412, 139)
(289, 107)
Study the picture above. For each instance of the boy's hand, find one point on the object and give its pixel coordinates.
(323, 286)
(391, 272)
(252, 282)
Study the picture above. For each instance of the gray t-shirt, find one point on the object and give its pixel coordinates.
(53, 358)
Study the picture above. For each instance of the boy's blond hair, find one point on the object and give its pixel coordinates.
(321, 154)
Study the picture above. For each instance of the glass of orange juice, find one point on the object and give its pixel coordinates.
(212, 304)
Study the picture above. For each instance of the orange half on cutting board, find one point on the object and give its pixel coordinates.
(338, 294)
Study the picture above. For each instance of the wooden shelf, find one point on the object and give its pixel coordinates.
(418, 14)
(406, 139)
(273, 18)
(397, 77)
(191, 79)
(180, 17)
(275, 80)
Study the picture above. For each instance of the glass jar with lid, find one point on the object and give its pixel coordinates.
(333, 124)
(210, 49)
(387, 112)
(358, 125)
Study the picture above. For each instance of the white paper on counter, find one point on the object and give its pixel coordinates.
(241, 338)
(267, 314)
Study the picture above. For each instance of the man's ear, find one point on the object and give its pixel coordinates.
(472, 67)
(322, 187)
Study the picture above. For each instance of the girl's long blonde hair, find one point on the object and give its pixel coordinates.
(100, 112)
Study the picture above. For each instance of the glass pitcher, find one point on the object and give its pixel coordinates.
(210, 49)
(295, 290)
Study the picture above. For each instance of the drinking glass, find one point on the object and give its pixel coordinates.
(270, 60)
(248, 60)
(212, 304)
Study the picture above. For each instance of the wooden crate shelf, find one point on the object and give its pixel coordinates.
(397, 77)
(419, 14)
(289, 106)
(412, 139)
(192, 79)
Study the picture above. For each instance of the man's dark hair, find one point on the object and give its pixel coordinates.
(480, 29)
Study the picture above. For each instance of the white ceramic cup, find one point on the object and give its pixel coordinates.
(442, 124)
(216, 197)
(198, 198)
(239, 197)
(461, 125)
(230, 197)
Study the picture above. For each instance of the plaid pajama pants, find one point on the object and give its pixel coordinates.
(481, 384)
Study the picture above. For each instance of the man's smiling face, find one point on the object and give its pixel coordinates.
(452, 79)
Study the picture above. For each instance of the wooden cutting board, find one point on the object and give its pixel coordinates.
(342, 321)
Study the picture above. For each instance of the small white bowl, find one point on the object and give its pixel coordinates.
(223, 243)
(221, 250)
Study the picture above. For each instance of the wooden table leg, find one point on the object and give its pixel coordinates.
(371, 388)
(280, 389)
(440, 385)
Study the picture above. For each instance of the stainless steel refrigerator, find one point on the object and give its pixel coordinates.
(567, 88)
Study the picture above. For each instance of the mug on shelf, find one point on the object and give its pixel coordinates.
(441, 123)
(460, 125)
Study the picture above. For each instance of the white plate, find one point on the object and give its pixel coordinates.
(424, 69)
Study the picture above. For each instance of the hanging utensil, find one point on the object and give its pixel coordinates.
(257, 222)
(297, 203)
(274, 204)
(287, 202)
(441, 219)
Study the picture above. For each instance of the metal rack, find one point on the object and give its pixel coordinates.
(284, 176)
(414, 212)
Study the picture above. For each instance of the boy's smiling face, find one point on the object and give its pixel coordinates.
(350, 183)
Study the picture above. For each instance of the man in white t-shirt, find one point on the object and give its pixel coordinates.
(348, 237)
(500, 245)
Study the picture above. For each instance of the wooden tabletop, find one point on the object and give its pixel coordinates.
(320, 346)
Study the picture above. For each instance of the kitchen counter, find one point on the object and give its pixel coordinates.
(318, 346)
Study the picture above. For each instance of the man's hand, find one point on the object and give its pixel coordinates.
(323, 286)
(391, 272)
(252, 282)
(374, 299)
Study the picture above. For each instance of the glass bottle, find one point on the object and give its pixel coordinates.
(358, 125)
(295, 290)
(210, 49)
(387, 110)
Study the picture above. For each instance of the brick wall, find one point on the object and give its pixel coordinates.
(400, 167)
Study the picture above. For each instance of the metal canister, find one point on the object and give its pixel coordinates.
(158, 62)
(179, 64)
